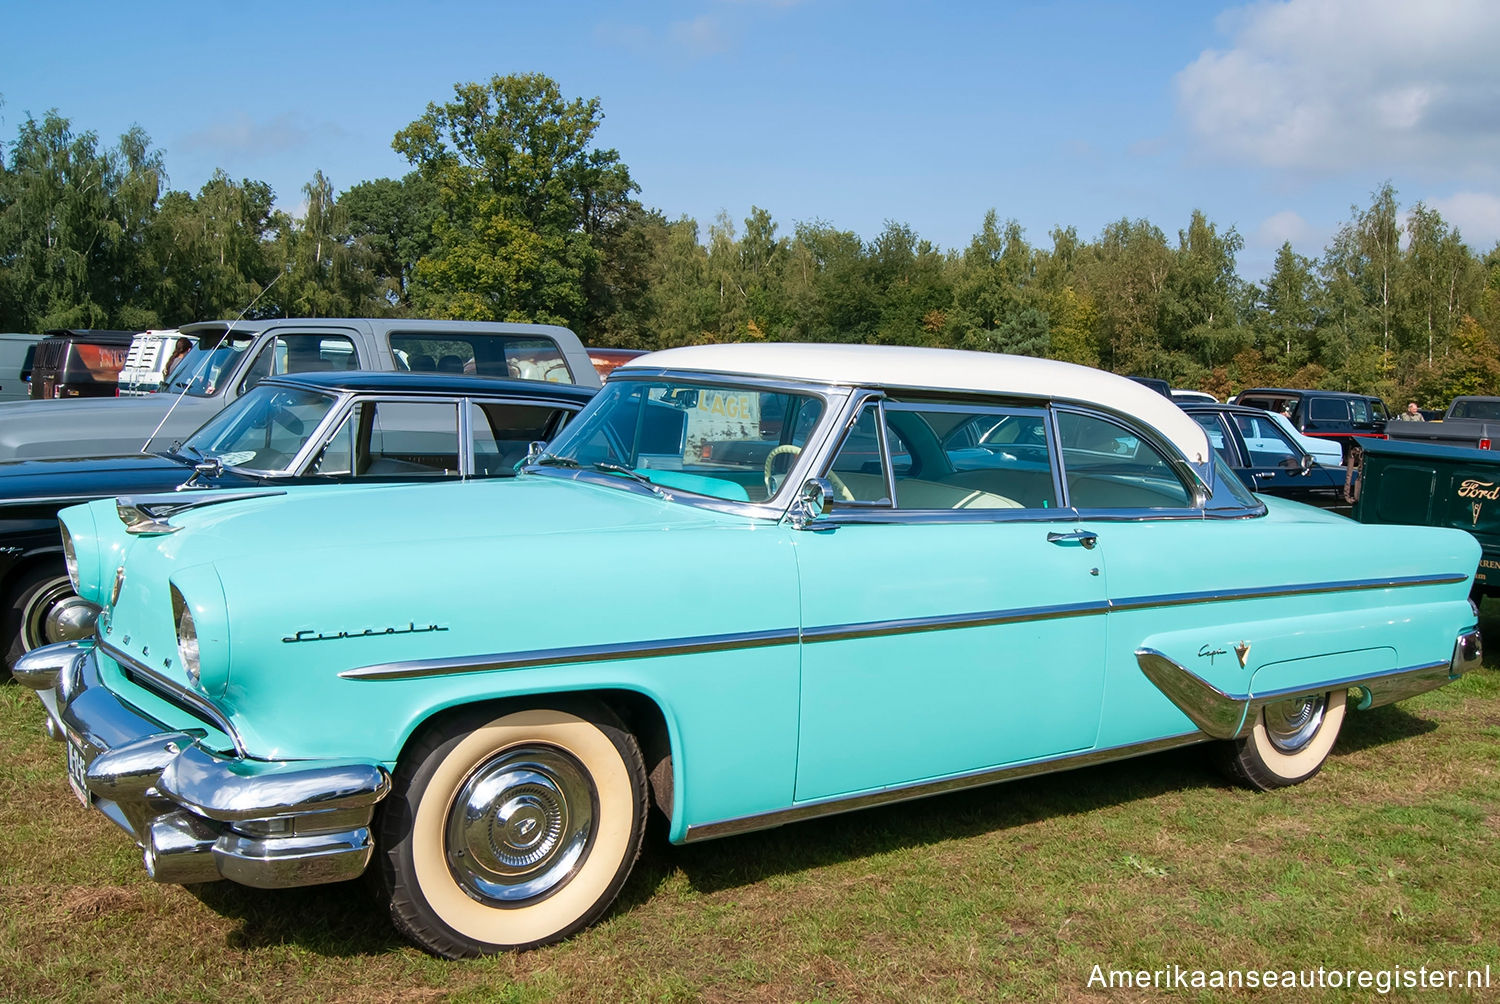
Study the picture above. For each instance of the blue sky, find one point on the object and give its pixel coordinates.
(1270, 117)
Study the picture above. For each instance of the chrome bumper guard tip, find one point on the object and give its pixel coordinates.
(201, 816)
(1468, 653)
(45, 667)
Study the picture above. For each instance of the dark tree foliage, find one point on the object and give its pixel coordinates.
(512, 211)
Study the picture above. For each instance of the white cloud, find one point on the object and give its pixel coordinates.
(701, 37)
(239, 135)
(1278, 228)
(1328, 85)
(1475, 214)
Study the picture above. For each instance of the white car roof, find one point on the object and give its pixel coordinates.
(938, 369)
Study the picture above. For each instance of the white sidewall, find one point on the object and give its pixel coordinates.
(522, 925)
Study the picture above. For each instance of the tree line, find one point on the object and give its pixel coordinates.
(510, 211)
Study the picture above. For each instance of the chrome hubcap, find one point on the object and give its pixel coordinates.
(520, 825)
(1290, 725)
(54, 613)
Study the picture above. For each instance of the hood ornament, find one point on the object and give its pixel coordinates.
(1242, 651)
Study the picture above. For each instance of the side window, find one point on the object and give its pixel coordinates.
(1265, 442)
(947, 457)
(1108, 467)
(1218, 436)
(502, 432)
(1328, 409)
(301, 354)
(858, 471)
(495, 355)
(398, 439)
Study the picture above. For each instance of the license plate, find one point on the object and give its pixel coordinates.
(76, 769)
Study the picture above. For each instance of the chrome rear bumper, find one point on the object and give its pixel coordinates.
(200, 815)
(1230, 716)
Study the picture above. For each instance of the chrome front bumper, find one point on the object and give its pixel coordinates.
(1230, 716)
(199, 815)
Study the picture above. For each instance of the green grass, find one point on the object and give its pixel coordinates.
(1389, 857)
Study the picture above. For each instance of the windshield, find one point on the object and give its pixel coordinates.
(262, 431)
(203, 370)
(723, 441)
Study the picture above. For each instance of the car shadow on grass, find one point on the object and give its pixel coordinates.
(743, 860)
(341, 920)
(346, 920)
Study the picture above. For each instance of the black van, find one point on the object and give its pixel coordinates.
(1326, 414)
(79, 362)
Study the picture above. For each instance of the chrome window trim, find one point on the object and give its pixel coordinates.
(844, 632)
(466, 436)
(173, 693)
(920, 789)
(1198, 487)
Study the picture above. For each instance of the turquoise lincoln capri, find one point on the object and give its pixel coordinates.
(746, 586)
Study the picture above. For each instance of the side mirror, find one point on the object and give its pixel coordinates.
(534, 451)
(814, 499)
(1299, 464)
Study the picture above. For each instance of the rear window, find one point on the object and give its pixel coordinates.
(506, 356)
(1330, 409)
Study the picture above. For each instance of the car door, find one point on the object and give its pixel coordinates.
(1277, 465)
(953, 616)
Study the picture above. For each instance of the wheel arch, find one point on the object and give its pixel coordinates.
(642, 714)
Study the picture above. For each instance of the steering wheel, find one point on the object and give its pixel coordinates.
(787, 448)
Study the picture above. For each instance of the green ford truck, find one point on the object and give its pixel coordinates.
(1426, 484)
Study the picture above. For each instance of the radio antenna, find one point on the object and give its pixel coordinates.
(204, 361)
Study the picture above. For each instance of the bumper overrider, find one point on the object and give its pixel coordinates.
(199, 815)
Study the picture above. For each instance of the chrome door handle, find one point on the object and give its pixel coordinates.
(1087, 538)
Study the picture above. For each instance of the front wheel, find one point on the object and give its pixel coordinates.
(42, 608)
(511, 832)
(1290, 742)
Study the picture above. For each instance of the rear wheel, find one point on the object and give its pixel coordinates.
(1290, 742)
(512, 831)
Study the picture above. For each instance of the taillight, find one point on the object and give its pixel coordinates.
(1484, 444)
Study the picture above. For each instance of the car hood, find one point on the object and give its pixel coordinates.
(93, 425)
(88, 478)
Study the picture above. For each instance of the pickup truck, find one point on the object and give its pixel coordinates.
(231, 357)
(1428, 484)
(1470, 421)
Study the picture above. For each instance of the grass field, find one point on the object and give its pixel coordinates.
(1389, 858)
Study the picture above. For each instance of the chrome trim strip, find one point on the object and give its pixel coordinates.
(564, 656)
(921, 789)
(415, 668)
(947, 622)
(1263, 592)
(174, 693)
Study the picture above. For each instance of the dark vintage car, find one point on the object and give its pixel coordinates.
(1267, 460)
(311, 427)
(79, 362)
(1428, 484)
(1326, 414)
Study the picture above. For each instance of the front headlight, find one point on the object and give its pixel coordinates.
(70, 558)
(187, 636)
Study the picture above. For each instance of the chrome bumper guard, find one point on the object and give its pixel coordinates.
(1231, 716)
(200, 816)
